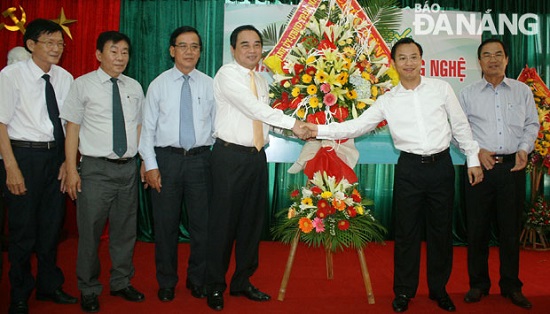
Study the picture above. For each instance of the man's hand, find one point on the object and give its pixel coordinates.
(312, 128)
(486, 158)
(15, 181)
(300, 131)
(142, 175)
(152, 177)
(62, 176)
(72, 182)
(521, 160)
(475, 175)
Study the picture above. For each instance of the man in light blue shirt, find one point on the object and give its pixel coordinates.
(175, 147)
(504, 121)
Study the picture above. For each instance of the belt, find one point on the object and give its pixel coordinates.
(184, 152)
(426, 159)
(236, 147)
(119, 161)
(500, 159)
(27, 144)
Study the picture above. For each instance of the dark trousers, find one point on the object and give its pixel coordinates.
(236, 214)
(34, 222)
(109, 191)
(183, 178)
(423, 196)
(499, 197)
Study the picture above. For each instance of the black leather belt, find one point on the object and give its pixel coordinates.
(500, 159)
(27, 144)
(119, 161)
(426, 159)
(184, 152)
(236, 147)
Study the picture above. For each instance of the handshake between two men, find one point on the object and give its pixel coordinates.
(304, 130)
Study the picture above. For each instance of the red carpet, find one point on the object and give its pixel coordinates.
(308, 290)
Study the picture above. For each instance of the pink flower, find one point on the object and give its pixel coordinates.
(325, 88)
(318, 225)
(329, 99)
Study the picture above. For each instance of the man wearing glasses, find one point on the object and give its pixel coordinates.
(175, 147)
(422, 114)
(32, 174)
(504, 121)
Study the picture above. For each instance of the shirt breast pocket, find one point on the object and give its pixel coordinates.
(206, 109)
(516, 118)
(132, 107)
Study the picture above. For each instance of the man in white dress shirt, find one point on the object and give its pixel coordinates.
(239, 168)
(33, 165)
(422, 114)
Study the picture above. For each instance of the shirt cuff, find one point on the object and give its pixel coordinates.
(150, 163)
(322, 131)
(473, 161)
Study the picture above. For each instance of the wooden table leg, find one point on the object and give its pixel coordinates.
(288, 268)
(366, 276)
(330, 267)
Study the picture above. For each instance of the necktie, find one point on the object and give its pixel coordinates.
(53, 111)
(119, 128)
(257, 125)
(187, 130)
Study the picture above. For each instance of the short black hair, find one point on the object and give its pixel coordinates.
(181, 30)
(113, 36)
(402, 41)
(37, 27)
(236, 31)
(491, 40)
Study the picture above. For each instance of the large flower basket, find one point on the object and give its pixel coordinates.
(536, 226)
(539, 161)
(329, 65)
(331, 214)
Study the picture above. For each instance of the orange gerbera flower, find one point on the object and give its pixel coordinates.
(305, 224)
(338, 204)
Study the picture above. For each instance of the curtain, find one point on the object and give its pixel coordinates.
(150, 23)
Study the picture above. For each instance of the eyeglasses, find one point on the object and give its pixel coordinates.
(486, 56)
(404, 59)
(185, 47)
(51, 44)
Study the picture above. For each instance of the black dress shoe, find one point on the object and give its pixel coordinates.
(58, 296)
(89, 303)
(252, 293)
(474, 295)
(129, 293)
(166, 294)
(198, 292)
(215, 300)
(518, 299)
(18, 307)
(400, 303)
(445, 303)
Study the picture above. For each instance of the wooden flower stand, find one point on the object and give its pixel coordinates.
(534, 239)
(290, 261)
